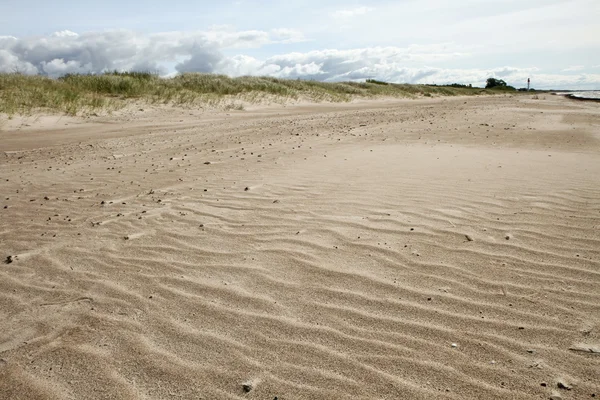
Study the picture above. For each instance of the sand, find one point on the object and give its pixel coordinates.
(419, 249)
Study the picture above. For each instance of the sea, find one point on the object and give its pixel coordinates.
(587, 94)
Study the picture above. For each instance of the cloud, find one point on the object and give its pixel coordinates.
(378, 62)
(211, 51)
(574, 68)
(65, 33)
(351, 12)
(94, 52)
(389, 64)
(11, 63)
(205, 58)
(335, 63)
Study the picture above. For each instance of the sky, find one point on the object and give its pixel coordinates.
(555, 43)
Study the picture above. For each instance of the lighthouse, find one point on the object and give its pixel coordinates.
(528, 83)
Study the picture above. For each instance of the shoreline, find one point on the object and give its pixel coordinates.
(573, 97)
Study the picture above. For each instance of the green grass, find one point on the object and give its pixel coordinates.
(81, 94)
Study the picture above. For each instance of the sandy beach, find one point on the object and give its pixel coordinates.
(444, 248)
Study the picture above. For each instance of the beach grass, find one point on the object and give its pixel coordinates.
(79, 94)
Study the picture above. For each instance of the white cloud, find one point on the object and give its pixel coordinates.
(210, 51)
(58, 67)
(351, 12)
(574, 68)
(95, 52)
(10, 63)
(65, 33)
(389, 64)
(286, 36)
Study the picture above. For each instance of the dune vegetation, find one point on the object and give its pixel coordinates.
(81, 94)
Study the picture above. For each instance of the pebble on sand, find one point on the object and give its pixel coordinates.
(249, 386)
(562, 385)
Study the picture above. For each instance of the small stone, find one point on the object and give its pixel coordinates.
(46, 198)
(531, 351)
(9, 260)
(454, 345)
(562, 385)
(469, 238)
(246, 188)
(248, 386)
(207, 163)
(543, 384)
(507, 237)
(555, 396)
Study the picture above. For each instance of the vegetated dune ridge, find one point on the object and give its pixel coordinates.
(439, 248)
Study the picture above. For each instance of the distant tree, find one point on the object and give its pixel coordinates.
(493, 82)
(375, 81)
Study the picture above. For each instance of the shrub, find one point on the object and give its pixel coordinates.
(494, 83)
(376, 82)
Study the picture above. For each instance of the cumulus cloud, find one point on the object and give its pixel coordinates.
(95, 52)
(210, 51)
(389, 64)
(335, 65)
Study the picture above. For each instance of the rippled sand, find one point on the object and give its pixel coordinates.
(445, 248)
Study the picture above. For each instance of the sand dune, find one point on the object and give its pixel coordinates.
(445, 248)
